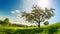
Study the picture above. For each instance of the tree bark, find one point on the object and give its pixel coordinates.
(39, 25)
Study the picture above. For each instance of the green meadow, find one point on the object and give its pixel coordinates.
(47, 29)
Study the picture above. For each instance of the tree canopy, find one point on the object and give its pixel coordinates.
(38, 14)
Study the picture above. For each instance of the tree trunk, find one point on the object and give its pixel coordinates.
(38, 25)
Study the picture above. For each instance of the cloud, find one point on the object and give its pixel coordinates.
(12, 12)
(17, 11)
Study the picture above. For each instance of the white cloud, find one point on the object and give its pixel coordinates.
(12, 12)
(17, 11)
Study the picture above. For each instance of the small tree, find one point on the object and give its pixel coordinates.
(38, 14)
(1, 22)
(6, 21)
(46, 23)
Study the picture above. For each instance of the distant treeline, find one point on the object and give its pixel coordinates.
(6, 22)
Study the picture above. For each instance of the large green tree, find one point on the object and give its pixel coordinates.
(38, 14)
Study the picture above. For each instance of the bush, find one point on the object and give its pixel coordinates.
(46, 23)
(28, 31)
(52, 30)
(6, 31)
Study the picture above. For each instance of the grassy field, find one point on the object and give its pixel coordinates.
(48, 29)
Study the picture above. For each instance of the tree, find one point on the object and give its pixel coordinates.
(6, 21)
(38, 14)
(46, 23)
(1, 22)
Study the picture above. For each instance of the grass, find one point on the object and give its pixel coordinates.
(48, 29)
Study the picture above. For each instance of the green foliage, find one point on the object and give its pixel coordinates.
(5, 31)
(6, 21)
(1, 22)
(46, 23)
(21, 31)
(52, 30)
(29, 31)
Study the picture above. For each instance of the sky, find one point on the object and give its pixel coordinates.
(7, 7)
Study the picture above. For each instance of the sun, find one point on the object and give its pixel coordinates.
(43, 3)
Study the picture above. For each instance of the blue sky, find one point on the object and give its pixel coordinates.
(6, 6)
